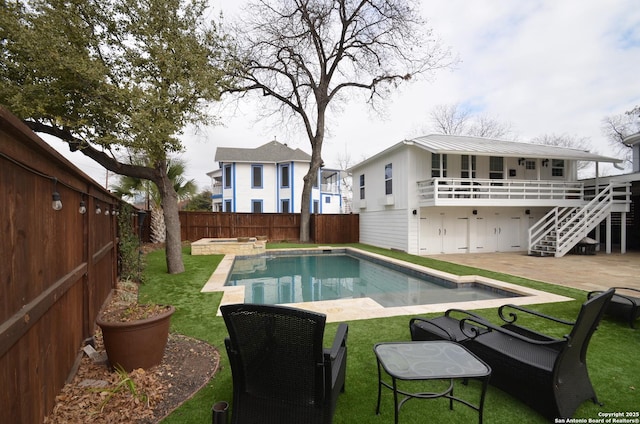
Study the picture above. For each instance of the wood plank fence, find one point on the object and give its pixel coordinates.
(276, 226)
(58, 267)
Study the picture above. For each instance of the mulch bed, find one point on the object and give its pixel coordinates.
(100, 395)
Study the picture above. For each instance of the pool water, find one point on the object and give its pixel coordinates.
(312, 278)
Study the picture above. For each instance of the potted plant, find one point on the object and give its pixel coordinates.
(134, 334)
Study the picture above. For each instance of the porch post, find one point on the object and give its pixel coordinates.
(609, 233)
(623, 233)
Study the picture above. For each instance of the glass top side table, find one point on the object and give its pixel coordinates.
(429, 360)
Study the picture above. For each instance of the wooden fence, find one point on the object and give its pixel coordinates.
(58, 267)
(276, 226)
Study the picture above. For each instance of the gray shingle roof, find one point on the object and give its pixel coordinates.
(272, 152)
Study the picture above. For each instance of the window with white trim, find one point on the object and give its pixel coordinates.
(438, 168)
(557, 167)
(388, 179)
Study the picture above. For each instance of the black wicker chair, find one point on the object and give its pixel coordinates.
(548, 374)
(623, 305)
(281, 372)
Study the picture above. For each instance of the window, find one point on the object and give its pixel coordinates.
(256, 176)
(227, 206)
(284, 176)
(362, 186)
(468, 167)
(388, 174)
(316, 206)
(256, 206)
(284, 206)
(327, 199)
(227, 176)
(557, 167)
(530, 164)
(496, 167)
(438, 168)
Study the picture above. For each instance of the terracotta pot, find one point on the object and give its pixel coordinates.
(136, 344)
(243, 239)
(261, 238)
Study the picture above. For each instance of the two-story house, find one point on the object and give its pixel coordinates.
(455, 194)
(269, 179)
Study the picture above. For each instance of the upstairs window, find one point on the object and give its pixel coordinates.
(438, 167)
(362, 186)
(496, 167)
(557, 167)
(284, 176)
(530, 164)
(227, 176)
(256, 176)
(468, 167)
(388, 179)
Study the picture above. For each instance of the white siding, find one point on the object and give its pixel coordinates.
(386, 229)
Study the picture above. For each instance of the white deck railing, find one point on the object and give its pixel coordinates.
(463, 191)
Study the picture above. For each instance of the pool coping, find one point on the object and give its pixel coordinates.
(366, 308)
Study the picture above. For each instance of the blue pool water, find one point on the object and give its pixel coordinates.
(310, 278)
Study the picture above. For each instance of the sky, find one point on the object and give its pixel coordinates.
(539, 66)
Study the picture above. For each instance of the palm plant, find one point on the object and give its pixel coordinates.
(132, 188)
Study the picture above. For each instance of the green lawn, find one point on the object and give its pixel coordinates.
(612, 358)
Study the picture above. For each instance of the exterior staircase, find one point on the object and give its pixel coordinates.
(562, 228)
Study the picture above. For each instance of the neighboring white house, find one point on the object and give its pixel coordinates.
(269, 179)
(455, 194)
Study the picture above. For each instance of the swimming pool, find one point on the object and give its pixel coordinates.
(283, 278)
(341, 310)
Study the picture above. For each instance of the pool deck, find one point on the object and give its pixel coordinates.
(584, 272)
(588, 272)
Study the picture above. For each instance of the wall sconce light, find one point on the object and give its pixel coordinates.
(56, 203)
(527, 212)
(475, 212)
(521, 161)
(98, 210)
(545, 162)
(415, 212)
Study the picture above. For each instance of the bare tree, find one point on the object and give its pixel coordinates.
(449, 119)
(303, 54)
(617, 127)
(453, 119)
(489, 127)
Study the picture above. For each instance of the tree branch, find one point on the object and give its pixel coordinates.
(75, 144)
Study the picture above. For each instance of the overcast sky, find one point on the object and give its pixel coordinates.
(543, 67)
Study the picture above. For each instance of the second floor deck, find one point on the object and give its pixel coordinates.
(487, 192)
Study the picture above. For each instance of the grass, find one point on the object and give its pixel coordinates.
(612, 356)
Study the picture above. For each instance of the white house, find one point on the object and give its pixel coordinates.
(454, 194)
(269, 179)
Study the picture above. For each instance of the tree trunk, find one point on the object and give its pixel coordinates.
(158, 229)
(309, 179)
(305, 212)
(173, 250)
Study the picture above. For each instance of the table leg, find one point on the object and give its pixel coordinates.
(395, 399)
(485, 382)
(379, 389)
